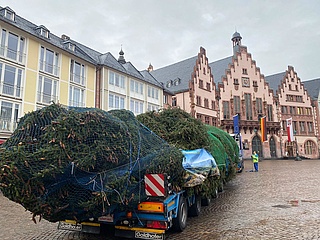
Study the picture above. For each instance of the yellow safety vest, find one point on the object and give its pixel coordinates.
(255, 158)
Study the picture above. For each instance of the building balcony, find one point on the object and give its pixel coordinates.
(250, 125)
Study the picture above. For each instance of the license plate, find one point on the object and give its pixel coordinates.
(148, 235)
(70, 226)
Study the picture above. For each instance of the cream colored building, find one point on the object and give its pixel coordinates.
(38, 68)
(122, 86)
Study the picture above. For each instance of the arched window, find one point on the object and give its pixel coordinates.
(309, 147)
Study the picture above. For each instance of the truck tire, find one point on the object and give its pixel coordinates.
(206, 201)
(195, 209)
(180, 222)
(221, 187)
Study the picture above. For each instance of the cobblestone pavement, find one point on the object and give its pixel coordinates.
(281, 201)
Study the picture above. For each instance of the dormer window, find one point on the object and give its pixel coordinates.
(70, 46)
(43, 31)
(9, 14)
(177, 81)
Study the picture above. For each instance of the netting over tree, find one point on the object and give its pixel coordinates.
(180, 129)
(79, 163)
(230, 153)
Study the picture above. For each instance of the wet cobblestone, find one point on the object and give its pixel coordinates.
(281, 201)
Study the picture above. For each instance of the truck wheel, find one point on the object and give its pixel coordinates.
(206, 201)
(195, 209)
(220, 187)
(180, 222)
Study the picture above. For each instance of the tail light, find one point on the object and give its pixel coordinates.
(129, 214)
(157, 224)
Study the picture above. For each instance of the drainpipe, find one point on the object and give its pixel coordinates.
(98, 88)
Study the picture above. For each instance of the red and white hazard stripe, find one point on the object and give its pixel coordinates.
(155, 185)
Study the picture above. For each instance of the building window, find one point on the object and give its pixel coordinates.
(244, 71)
(284, 109)
(116, 79)
(136, 86)
(208, 86)
(12, 46)
(248, 105)
(295, 126)
(292, 110)
(235, 81)
(299, 99)
(300, 110)
(47, 90)
(43, 31)
(49, 61)
(11, 80)
(198, 100)
(152, 107)
(165, 99)
(284, 126)
(270, 113)
(201, 84)
(309, 147)
(255, 83)
(310, 127)
(9, 116)
(9, 14)
(302, 127)
(236, 101)
(213, 105)
(245, 82)
(153, 92)
(308, 111)
(206, 103)
(174, 102)
(259, 105)
(136, 106)
(77, 73)
(116, 102)
(76, 97)
(204, 71)
(207, 120)
(226, 110)
(290, 98)
(71, 46)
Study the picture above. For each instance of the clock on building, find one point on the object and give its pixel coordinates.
(245, 82)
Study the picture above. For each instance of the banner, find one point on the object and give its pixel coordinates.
(236, 129)
(290, 130)
(263, 127)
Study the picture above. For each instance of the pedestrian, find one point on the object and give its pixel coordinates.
(255, 160)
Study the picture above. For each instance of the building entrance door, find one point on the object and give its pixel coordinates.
(257, 146)
(273, 149)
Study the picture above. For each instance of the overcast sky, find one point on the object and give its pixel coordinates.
(161, 32)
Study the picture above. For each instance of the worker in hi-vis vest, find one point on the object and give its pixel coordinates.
(255, 160)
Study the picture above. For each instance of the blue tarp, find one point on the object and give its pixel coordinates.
(199, 164)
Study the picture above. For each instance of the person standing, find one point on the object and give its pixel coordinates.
(255, 160)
